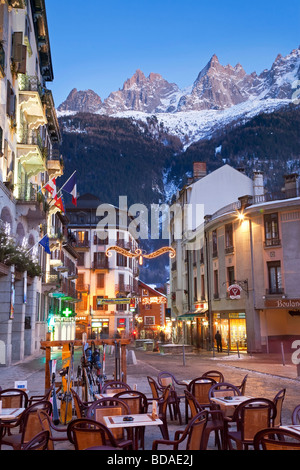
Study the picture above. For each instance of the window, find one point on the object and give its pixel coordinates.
(271, 230)
(228, 238)
(274, 274)
(216, 284)
(230, 276)
(121, 261)
(149, 321)
(100, 280)
(80, 261)
(195, 290)
(215, 244)
(82, 238)
(202, 287)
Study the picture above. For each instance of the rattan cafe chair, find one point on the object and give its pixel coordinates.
(85, 433)
(39, 442)
(192, 436)
(250, 417)
(276, 439)
(111, 407)
(29, 426)
(215, 421)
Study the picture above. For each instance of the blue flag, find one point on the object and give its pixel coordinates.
(45, 243)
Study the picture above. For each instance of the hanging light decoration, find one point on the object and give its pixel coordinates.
(140, 254)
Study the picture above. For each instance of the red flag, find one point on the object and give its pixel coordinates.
(51, 187)
(59, 203)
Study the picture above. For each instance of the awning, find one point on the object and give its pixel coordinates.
(192, 315)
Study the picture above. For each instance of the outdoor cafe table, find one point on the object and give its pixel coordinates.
(291, 427)
(10, 414)
(228, 406)
(139, 420)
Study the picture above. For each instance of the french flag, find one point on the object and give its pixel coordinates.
(71, 188)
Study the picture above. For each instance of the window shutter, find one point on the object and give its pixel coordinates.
(23, 62)
(17, 44)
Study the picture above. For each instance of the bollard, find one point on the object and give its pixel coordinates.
(282, 353)
(183, 357)
(238, 349)
(298, 371)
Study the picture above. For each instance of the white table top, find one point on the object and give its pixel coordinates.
(10, 413)
(99, 396)
(138, 420)
(291, 427)
(236, 400)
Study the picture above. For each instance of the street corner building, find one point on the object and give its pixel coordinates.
(29, 158)
(238, 271)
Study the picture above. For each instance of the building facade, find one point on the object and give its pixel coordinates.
(151, 313)
(106, 284)
(246, 277)
(29, 138)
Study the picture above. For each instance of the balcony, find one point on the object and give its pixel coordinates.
(30, 203)
(272, 242)
(30, 101)
(229, 250)
(275, 291)
(122, 288)
(31, 153)
(53, 126)
(55, 164)
(101, 264)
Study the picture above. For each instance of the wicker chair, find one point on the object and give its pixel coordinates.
(192, 435)
(115, 387)
(54, 431)
(278, 400)
(80, 406)
(215, 375)
(278, 439)
(39, 442)
(29, 426)
(111, 407)
(296, 416)
(250, 417)
(14, 398)
(164, 379)
(242, 387)
(215, 421)
(138, 404)
(85, 433)
(199, 388)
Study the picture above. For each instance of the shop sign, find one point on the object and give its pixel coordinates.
(154, 300)
(235, 292)
(283, 303)
(101, 301)
(121, 323)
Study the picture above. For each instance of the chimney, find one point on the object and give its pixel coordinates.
(199, 170)
(258, 183)
(291, 185)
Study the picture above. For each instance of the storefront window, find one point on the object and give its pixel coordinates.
(232, 327)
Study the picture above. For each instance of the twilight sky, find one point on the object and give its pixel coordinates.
(98, 45)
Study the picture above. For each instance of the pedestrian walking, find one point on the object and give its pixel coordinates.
(218, 339)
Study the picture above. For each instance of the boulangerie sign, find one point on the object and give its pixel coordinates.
(235, 291)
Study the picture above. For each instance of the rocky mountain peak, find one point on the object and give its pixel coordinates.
(81, 101)
(217, 87)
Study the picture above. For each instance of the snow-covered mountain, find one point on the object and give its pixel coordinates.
(220, 95)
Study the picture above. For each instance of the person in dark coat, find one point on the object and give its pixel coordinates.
(218, 339)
